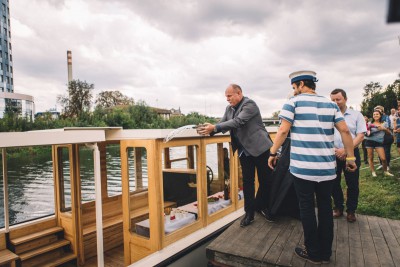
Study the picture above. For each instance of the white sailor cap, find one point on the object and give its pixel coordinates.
(303, 75)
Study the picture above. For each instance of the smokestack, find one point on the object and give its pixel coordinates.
(69, 60)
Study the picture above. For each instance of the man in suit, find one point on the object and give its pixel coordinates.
(250, 138)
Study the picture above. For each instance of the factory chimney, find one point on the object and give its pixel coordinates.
(69, 60)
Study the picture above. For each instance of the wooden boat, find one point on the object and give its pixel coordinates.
(173, 194)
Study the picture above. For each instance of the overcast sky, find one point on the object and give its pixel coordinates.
(177, 53)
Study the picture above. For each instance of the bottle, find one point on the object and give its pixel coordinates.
(226, 192)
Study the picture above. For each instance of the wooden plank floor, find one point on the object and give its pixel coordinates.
(112, 258)
(370, 241)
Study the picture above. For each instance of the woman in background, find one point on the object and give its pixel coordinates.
(365, 153)
(374, 140)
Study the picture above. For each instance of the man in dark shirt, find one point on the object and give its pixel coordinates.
(250, 138)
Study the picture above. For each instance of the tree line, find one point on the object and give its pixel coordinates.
(374, 94)
(111, 108)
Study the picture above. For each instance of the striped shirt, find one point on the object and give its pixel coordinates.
(313, 119)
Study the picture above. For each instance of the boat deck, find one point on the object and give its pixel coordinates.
(112, 258)
(370, 241)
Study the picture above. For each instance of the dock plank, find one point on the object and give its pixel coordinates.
(370, 241)
(355, 248)
(381, 246)
(293, 241)
(391, 241)
(342, 239)
(367, 243)
(273, 245)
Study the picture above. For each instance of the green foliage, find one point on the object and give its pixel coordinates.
(191, 118)
(78, 99)
(375, 95)
(109, 99)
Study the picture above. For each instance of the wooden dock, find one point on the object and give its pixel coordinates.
(370, 241)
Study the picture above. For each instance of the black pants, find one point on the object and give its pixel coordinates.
(352, 179)
(365, 153)
(249, 166)
(318, 235)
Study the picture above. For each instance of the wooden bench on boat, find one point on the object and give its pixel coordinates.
(112, 220)
(6, 256)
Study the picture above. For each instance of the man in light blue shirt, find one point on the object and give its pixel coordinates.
(356, 124)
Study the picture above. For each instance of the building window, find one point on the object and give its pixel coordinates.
(9, 45)
(10, 57)
(8, 80)
(11, 68)
(9, 34)
(2, 78)
(6, 55)
(8, 22)
(12, 81)
(7, 68)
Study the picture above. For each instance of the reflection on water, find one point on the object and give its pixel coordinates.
(30, 187)
(31, 183)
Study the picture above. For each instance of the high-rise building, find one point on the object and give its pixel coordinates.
(9, 101)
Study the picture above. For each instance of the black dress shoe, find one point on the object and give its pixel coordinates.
(247, 220)
(265, 213)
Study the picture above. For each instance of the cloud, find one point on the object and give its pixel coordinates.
(184, 53)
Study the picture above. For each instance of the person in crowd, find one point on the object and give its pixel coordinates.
(392, 117)
(311, 120)
(397, 131)
(374, 140)
(250, 138)
(357, 126)
(365, 153)
(386, 146)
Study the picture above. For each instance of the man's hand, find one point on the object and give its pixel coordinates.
(272, 162)
(205, 129)
(340, 153)
(351, 166)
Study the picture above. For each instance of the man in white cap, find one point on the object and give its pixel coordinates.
(311, 120)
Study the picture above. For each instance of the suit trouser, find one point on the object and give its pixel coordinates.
(318, 236)
(352, 180)
(249, 166)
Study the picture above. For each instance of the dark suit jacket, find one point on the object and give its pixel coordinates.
(250, 129)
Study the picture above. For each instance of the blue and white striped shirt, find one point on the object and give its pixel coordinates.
(313, 119)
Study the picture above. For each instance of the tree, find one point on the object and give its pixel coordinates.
(109, 99)
(375, 95)
(275, 114)
(79, 98)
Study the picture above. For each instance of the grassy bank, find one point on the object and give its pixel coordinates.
(380, 196)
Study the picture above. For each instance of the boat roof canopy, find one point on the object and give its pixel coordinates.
(51, 137)
(76, 135)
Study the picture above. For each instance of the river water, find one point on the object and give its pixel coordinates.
(31, 182)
